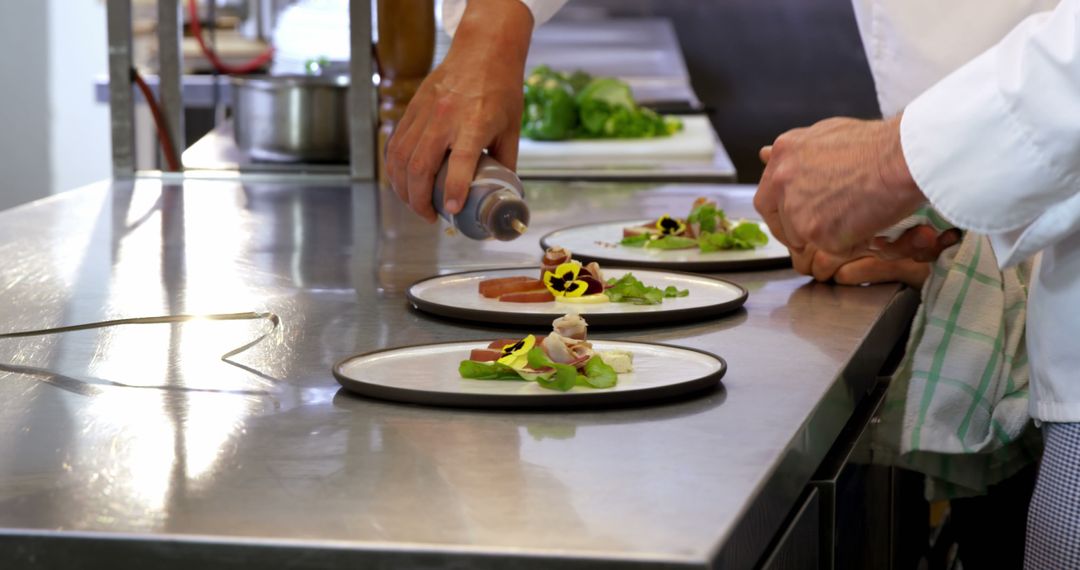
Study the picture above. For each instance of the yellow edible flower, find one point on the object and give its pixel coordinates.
(517, 355)
(670, 226)
(564, 282)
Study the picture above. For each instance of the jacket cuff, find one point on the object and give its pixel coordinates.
(542, 11)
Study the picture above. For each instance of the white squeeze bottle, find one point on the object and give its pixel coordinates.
(495, 207)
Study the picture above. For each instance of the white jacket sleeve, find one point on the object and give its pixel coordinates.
(542, 11)
(995, 146)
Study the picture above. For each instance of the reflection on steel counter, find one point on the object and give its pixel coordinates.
(320, 230)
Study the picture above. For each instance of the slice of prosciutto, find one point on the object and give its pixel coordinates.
(553, 257)
(566, 344)
(563, 350)
(593, 269)
(570, 326)
(557, 350)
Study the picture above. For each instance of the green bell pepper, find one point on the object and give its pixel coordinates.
(549, 106)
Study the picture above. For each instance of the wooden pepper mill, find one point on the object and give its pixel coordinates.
(404, 53)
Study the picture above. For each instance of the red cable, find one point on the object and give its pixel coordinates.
(159, 121)
(222, 67)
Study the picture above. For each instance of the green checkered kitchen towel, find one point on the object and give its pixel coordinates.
(924, 216)
(957, 406)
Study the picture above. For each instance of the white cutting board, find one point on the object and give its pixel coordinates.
(695, 142)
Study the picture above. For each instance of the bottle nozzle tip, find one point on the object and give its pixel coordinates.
(519, 226)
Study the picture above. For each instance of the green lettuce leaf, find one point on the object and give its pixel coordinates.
(672, 291)
(565, 376)
(606, 109)
(598, 374)
(704, 216)
(746, 235)
(750, 234)
(709, 241)
(487, 371)
(629, 289)
(543, 371)
(672, 125)
(498, 371)
(636, 241)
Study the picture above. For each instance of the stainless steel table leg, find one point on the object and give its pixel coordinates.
(362, 101)
(171, 66)
(121, 103)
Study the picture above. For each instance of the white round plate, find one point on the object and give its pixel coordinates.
(457, 296)
(600, 242)
(428, 374)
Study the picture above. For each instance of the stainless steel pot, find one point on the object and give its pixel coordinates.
(292, 118)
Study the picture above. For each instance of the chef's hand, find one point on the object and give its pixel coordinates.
(472, 101)
(836, 184)
(921, 243)
(859, 268)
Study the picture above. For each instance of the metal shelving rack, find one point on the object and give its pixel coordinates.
(363, 117)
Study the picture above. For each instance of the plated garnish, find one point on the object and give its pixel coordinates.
(628, 289)
(564, 280)
(706, 228)
(560, 360)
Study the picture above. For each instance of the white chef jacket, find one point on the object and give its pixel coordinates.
(912, 44)
(995, 146)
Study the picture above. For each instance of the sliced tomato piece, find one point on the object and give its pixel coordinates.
(541, 296)
(485, 355)
(504, 342)
(638, 230)
(500, 343)
(495, 288)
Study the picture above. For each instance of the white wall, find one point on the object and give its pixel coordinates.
(24, 110)
(79, 148)
(53, 136)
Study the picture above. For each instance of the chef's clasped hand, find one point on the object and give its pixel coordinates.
(836, 184)
(859, 269)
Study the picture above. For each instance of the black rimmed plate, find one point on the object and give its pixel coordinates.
(428, 375)
(457, 296)
(600, 242)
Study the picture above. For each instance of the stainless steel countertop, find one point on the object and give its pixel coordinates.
(197, 463)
